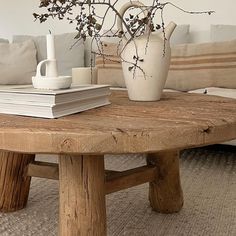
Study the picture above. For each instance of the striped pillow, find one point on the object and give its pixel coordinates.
(195, 66)
(109, 69)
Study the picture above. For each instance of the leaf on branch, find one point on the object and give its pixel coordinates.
(88, 2)
(91, 19)
(84, 37)
(130, 68)
(120, 34)
(35, 15)
(44, 3)
(90, 32)
(158, 26)
(77, 36)
(145, 20)
(98, 26)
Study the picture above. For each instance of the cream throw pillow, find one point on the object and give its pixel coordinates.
(223, 33)
(69, 54)
(180, 35)
(4, 41)
(17, 62)
(195, 66)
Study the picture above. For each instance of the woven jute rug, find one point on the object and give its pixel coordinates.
(209, 183)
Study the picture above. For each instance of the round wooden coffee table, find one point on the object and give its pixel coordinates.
(159, 129)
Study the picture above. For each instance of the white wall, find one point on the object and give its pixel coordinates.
(16, 16)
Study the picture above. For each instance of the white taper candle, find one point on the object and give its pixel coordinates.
(50, 47)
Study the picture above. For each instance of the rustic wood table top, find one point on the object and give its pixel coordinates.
(178, 121)
(160, 129)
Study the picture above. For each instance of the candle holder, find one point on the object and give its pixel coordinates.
(51, 80)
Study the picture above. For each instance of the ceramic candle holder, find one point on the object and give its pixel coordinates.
(51, 80)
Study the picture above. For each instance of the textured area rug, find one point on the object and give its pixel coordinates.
(209, 183)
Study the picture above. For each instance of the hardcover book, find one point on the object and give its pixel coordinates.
(28, 101)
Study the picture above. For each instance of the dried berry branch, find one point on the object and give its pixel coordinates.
(89, 24)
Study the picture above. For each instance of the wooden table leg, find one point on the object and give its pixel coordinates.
(165, 193)
(82, 196)
(14, 185)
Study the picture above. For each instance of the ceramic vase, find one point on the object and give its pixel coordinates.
(145, 61)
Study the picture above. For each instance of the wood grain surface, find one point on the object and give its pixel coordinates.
(14, 184)
(178, 121)
(82, 196)
(165, 192)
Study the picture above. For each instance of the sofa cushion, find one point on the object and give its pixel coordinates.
(109, 69)
(195, 66)
(4, 41)
(17, 62)
(68, 57)
(180, 35)
(223, 32)
(222, 92)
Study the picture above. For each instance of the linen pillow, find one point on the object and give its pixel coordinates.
(17, 62)
(180, 35)
(223, 33)
(110, 69)
(66, 56)
(91, 45)
(4, 41)
(195, 66)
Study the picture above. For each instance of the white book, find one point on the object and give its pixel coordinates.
(27, 94)
(55, 111)
(27, 101)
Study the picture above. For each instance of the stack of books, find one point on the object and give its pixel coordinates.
(28, 101)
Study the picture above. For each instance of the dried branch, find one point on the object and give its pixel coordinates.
(89, 24)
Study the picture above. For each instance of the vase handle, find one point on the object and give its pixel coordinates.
(124, 8)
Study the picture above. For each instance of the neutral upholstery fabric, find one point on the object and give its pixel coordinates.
(223, 32)
(195, 66)
(4, 41)
(180, 35)
(110, 69)
(17, 62)
(68, 57)
(222, 92)
(111, 76)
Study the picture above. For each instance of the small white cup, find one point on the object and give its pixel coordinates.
(84, 75)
